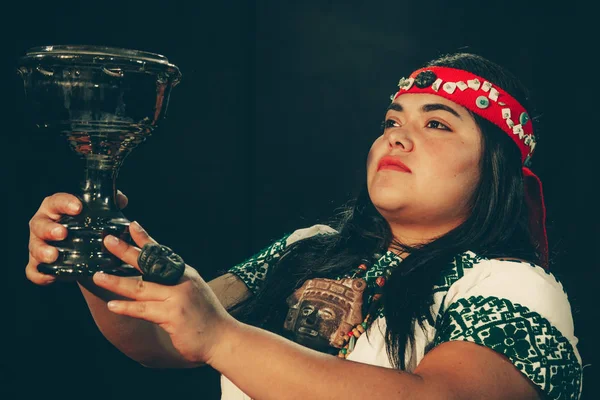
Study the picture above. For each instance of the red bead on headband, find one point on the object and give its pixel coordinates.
(495, 105)
(479, 96)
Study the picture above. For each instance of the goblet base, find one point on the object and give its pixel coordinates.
(82, 252)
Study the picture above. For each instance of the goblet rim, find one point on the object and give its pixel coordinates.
(95, 50)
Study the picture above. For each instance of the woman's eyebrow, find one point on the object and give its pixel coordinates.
(395, 107)
(438, 106)
(427, 108)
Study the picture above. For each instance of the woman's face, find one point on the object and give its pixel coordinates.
(440, 143)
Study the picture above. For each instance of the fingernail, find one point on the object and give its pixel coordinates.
(112, 305)
(100, 276)
(112, 239)
(74, 206)
(58, 232)
(137, 227)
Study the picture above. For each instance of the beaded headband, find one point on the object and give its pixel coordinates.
(497, 106)
(480, 97)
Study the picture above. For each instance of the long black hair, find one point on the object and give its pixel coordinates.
(496, 227)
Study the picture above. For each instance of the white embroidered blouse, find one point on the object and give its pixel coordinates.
(515, 308)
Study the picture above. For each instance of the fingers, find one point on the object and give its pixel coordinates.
(35, 276)
(133, 288)
(139, 235)
(43, 227)
(58, 204)
(123, 250)
(41, 251)
(122, 200)
(152, 311)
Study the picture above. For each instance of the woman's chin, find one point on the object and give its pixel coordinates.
(389, 208)
(387, 199)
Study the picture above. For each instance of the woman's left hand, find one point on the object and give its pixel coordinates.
(188, 311)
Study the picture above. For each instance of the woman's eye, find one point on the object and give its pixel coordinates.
(437, 125)
(389, 123)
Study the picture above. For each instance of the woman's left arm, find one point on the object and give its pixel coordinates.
(267, 366)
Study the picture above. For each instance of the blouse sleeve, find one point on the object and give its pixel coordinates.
(523, 313)
(254, 271)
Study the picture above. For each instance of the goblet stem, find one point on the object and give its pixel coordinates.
(99, 186)
(82, 252)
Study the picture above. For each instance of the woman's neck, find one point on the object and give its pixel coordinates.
(414, 235)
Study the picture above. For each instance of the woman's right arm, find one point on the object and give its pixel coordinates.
(142, 341)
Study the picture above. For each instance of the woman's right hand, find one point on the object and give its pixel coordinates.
(44, 227)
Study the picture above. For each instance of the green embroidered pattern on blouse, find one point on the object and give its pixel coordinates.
(388, 261)
(532, 344)
(456, 270)
(253, 272)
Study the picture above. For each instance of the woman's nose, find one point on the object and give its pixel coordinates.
(400, 140)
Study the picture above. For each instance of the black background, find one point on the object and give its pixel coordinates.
(268, 132)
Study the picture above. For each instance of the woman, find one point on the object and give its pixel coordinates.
(431, 284)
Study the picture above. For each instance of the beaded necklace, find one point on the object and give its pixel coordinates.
(375, 275)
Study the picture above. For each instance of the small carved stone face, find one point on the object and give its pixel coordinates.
(316, 321)
(323, 310)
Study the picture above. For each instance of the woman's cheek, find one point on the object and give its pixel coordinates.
(370, 158)
(375, 149)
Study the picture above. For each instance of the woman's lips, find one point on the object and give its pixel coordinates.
(392, 163)
(393, 167)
